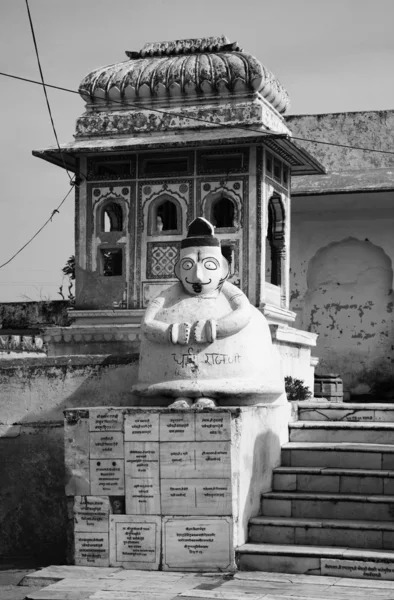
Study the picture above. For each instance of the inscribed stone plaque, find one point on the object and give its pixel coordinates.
(142, 459)
(195, 459)
(177, 427)
(142, 496)
(76, 449)
(91, 549)
(186, 497)
(197, 544)
(359, 569)
(108, 444)
(178, 497)
(213, 496)
(213, 459)
(135, 542)
(91, 513)
(107, 477)
(141, 427)
(106, 419)
(177, 460)
(213, 426)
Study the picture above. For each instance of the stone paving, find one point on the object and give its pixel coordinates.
(89, 583)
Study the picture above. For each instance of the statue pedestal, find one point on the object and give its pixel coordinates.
(156, 488)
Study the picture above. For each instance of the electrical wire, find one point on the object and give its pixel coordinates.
(56, 210)
(265, 133)
(44, 88)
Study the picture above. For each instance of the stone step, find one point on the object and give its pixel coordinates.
(339, 411)
(341, 455)
(325, 480)
(317, 560)
(327, 506)
(339, 431)
(322, 532)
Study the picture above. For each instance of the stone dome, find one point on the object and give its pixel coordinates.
(204, 67)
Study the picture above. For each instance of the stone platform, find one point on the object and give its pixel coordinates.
(157, 488)
(81, 583)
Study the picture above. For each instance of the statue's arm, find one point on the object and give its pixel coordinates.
(240, 314)
(163, 333)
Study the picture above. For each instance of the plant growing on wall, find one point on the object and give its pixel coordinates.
(68, 271)
(296, 390)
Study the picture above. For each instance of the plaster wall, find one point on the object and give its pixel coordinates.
(33, 395)
(341, 283)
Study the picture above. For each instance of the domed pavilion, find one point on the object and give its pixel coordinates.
(180, 129)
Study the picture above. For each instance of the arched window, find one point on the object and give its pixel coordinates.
(111, 217)
(165, 217)
(275, 243)
(222, 213)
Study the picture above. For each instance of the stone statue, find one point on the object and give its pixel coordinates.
(202, 339)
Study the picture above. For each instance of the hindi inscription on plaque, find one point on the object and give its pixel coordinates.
(196, 497)
(91, 549)
(213, 427)
(197, 543)
(106, 445)
(107, 477)
(142, 496)
(105, 419)
(91, 513)
(142, 459)
(177, 427)
(195, 459)
(135, 542)
(141, 427)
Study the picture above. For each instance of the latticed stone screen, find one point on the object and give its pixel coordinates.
(161, 259)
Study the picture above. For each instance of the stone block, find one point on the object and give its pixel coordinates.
(213, 427)
(275, 508)
(280, 564)
(141, 427)
(359, 569)
(107, 477)
(91, 549)
(285, 482)
(361, 484)
(76, 439)
(105, 419)
(135, 542)
(106, 445)
(143, 496)
(271, 534)
(195, 459)
(197, 544)
(196, 497)
(141, 460)
(317, 483)
(91, 514)
(177, 427)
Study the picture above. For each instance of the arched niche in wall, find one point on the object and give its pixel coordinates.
(223, 210)
(165, 216)
(275, 241)
(349, 303)
(111, 217)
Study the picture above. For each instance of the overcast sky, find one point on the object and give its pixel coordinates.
(331, 56)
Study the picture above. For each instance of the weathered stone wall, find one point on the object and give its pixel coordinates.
(33, 394)
(31, 315)
(341, 284)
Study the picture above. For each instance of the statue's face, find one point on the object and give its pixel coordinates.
(201, 269)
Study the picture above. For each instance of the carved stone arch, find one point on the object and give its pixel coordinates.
(231, 217)
(165, 215)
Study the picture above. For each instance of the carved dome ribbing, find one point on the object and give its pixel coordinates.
(204, 67)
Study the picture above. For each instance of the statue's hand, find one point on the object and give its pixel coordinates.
(204, 332)
(179, 333)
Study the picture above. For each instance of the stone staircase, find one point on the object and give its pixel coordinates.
(331, 510)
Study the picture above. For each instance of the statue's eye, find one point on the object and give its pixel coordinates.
(187, 264)
(211, 264)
